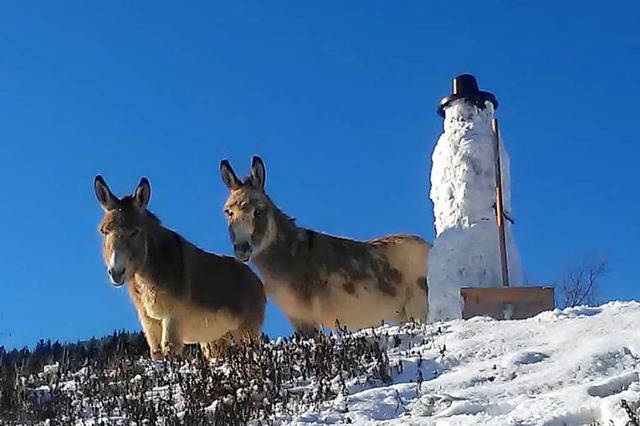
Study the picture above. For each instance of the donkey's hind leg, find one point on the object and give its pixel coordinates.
(205, 348)
(416, 306)
(247, 335)
(219, 347)
(250, 330)
(214, 349)
(303, 328)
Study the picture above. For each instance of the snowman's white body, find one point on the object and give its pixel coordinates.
(466, 251)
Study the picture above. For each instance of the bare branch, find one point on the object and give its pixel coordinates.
(579, 286)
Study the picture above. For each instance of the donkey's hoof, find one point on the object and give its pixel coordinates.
(170, 351)
(157, 355)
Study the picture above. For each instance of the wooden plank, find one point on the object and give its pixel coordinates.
(506, 302)
(499, 206)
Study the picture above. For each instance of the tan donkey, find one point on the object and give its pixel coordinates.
(316, 278)
(183, 294)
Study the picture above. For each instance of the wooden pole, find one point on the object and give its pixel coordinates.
(499, 206)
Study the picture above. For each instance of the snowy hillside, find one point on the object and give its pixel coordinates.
(570, 367)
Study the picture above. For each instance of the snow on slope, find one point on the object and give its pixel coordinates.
(564, 367)
(569, 367)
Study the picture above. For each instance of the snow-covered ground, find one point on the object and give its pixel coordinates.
(565, 367)
(569, 367)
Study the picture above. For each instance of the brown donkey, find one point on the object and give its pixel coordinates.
(183, 294)
(316, 278)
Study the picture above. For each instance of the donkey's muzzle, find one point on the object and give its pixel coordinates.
(117, 276)
(242, 251)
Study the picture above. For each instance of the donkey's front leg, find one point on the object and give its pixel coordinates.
(152, 329)
(304, 329)
(171, 339)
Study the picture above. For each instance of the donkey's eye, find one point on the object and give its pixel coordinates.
(257, 212)
(134, 232)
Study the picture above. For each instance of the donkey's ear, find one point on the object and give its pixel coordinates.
(142, 194)
(229, 177)
(258, 172)
(105, 197)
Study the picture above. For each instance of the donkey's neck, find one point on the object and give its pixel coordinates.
(164, 263)
(279, 257)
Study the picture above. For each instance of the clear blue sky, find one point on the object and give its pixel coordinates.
(338, 98)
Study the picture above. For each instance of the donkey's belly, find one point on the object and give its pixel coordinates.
(202, 326)
(356, 311)
(291, 303)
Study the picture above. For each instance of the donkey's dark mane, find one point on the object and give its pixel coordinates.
(156, 220)
(285, 216)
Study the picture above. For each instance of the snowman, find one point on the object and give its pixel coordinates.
(463, 191)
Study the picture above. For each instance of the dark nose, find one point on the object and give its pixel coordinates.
(116, 275)
(242, 251)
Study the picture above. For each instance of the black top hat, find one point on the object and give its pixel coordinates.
(466, 86)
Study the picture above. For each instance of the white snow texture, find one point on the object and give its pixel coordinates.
(570, 367)
(466, 250)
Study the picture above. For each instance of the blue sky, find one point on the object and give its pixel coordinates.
(337, 97)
